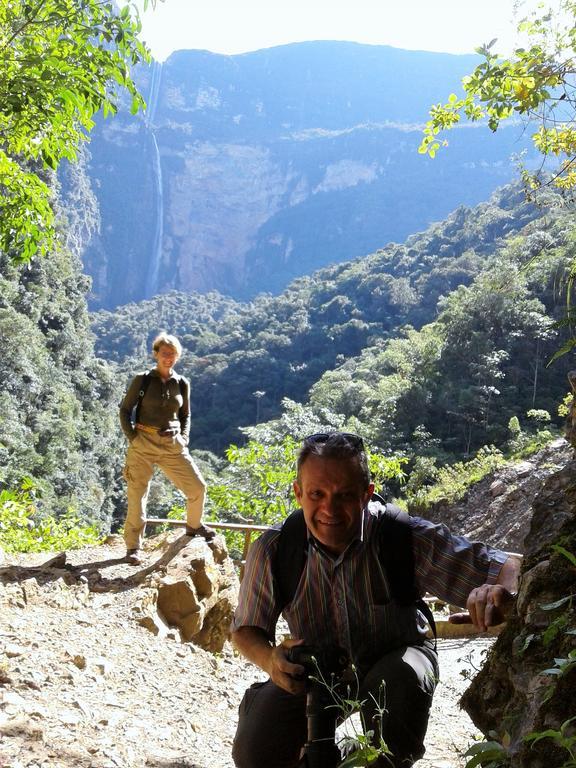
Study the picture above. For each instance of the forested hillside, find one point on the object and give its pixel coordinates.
(426, 348)
(449, 332)
(439, 344)
(61, 64)
(57, 401)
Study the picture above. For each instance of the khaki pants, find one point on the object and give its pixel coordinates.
(170, 454)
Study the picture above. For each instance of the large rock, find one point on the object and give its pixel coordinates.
(528, 683)
(199, 592)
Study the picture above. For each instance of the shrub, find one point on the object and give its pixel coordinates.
(453, 481)
(24, 529)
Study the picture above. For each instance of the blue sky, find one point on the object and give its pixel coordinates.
(237, 26)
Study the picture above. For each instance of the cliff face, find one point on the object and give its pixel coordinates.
(528, 682)
(498, 509)
(250, 170)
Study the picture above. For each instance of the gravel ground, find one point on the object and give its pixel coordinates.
(83, 684)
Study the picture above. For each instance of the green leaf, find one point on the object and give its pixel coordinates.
(57, 77)
(531, 82)
(527, 640)
(557, 603)
(485, 752)
(568, 555)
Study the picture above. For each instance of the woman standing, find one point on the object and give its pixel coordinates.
(155, 417)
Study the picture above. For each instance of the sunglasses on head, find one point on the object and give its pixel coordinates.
(323, 437)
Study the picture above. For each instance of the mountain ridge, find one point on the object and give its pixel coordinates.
(251, 170)
(338, 321)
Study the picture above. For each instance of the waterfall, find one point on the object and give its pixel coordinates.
(156, 254)
(151, 287)
(153, 95)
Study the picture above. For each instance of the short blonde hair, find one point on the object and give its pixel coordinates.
(167, 340)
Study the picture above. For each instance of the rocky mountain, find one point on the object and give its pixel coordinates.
(249, 170)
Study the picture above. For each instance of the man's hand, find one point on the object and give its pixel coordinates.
(488, 606)
(254, 644)
(290, 677)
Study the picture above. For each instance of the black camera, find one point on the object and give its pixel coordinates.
(323, 667)
(327, 661)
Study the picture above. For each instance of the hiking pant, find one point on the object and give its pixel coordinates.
(170, 454)
(272, 726)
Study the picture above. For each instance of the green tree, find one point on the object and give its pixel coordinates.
(61, 62)
(58, 404)
(283, 345)
(492, 332)
(535, 83)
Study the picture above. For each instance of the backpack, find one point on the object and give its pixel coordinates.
(144, 386)
(395, 555)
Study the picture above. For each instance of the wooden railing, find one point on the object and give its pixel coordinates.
(247, 528)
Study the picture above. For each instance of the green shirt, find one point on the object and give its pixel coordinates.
(166, 405)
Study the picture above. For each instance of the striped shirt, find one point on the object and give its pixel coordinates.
(345, 600)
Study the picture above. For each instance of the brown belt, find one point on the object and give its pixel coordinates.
(146, 428)
(170, 432)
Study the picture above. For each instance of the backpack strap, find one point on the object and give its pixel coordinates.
(290, 558)
(395, 553)
(144, 384)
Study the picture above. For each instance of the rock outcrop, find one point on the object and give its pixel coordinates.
(198, 594)
(498, 509)
(527, 685)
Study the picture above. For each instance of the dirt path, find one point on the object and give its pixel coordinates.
(83, 684)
